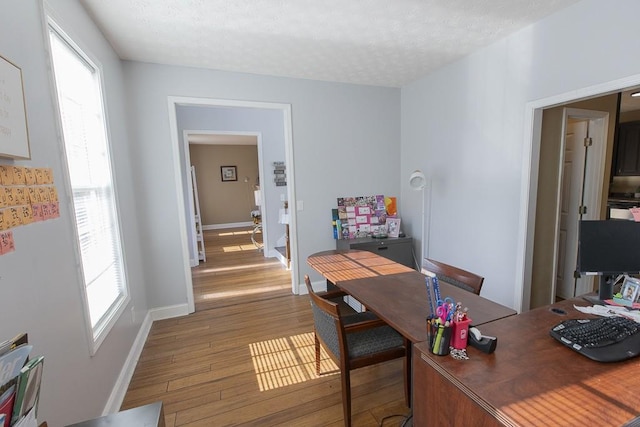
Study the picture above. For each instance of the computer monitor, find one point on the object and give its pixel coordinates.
(608, 248)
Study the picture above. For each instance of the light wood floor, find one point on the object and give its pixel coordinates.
(246, 356)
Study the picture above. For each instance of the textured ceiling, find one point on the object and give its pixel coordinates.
(373, 42)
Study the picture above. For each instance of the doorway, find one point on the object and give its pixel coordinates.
(527, 267)
(561, 175)
(222, 204)
(271, 197)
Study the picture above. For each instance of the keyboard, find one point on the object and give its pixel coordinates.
(606, 339)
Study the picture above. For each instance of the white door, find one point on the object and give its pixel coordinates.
(582, 173)
(572, 187)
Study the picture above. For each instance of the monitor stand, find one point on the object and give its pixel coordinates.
(605, 292)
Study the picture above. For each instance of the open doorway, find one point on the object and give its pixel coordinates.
(223, 202)
(536, 273)
(273, 122)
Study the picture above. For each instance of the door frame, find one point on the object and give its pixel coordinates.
(179, 180)
(529, 176)
(597, 130)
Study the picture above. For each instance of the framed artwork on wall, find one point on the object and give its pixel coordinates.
(14, 135)
(229, 173)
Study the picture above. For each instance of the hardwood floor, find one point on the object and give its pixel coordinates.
(246, 356)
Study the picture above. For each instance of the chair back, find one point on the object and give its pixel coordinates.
(454, 276)
(326, 319)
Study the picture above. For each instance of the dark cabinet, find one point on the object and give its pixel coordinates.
(627, 159)
(398, 249)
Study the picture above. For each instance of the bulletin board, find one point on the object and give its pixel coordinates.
(360, 216)
(27, 195)
(14, 135)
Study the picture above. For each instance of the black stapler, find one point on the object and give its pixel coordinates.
(482, 342)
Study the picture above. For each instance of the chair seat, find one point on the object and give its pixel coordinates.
(373, 341)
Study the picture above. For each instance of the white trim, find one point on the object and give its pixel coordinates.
(121, 386)
(169, 312)
(126, 373)
(174, 101)
(182, 221)
(529, 177)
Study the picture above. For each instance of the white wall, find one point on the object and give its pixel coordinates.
(464, 125)
(39, 281)
(345, 142)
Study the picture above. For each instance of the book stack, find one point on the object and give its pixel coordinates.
(20, 379)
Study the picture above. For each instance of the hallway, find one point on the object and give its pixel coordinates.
(236, 271)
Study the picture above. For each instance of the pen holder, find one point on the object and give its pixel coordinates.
(460, 334)
(442, 339)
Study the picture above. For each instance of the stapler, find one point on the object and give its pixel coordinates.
(483, 343)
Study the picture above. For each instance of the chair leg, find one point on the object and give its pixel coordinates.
(317, 353)
(346, 396)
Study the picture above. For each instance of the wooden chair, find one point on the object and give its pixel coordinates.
(355, 341)
(454, 276)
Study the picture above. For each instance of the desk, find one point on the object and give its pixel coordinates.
(395, 293)
(530, 380)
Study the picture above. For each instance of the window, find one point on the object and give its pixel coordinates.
(86, 147)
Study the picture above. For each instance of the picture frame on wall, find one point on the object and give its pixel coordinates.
(229, 173)
(14, 133)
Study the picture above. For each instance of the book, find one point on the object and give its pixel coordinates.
(12, 362)
(28, 389)
(7, 400)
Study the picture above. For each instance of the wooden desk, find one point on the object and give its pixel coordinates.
(340, 265)
(530, 380)
(396, 293)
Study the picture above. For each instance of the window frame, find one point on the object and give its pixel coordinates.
(96, 334)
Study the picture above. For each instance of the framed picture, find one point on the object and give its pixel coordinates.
(229, 173)
(393, 227)
(14, 135)
(630, 289)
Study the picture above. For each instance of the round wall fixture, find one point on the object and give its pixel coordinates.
(417, 180)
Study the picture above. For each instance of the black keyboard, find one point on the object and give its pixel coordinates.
(606, 339)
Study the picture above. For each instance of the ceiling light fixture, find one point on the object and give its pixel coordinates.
(635, 94)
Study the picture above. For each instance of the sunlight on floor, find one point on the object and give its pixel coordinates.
(266, 264)
(244, 292)
(237, 248)
(289, 360)
(234, 233)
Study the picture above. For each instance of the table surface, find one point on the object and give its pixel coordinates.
(397, 294)
(532, 380)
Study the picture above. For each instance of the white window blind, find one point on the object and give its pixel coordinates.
(89, 168)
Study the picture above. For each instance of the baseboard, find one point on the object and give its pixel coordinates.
(126, 373)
